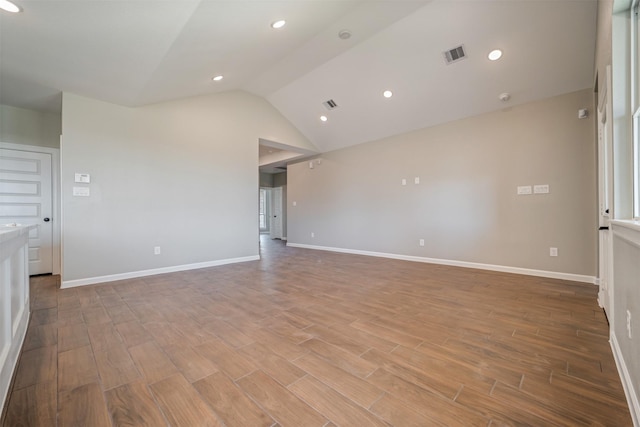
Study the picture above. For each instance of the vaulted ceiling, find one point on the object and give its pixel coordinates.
(136, 52)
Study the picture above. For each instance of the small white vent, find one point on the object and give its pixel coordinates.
(330, 104)
(454, 55)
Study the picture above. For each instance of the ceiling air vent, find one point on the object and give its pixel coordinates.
(330, 104)
(454, 55)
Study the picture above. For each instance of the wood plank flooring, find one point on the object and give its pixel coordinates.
(312, 338)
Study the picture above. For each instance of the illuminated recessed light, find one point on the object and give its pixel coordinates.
(387, 94)
(278, 24)
(8, 6)
(494, 55)
(324, 118)
(217, 78)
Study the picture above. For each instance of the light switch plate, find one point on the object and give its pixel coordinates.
(541, 189)
(81, 191)
(524, 189)
(84, 178)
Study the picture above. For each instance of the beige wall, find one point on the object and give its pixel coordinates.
(266, 179)
(280, 179)
(29, 127)
(182, 175)
(465, 206)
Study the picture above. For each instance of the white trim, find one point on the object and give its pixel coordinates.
(11, 362)
(154, 271)
(454, 263)
(627, 230)
(56, 218)
(627, 383)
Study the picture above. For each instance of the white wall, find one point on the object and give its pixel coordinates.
(465, 206)
(29, 127)
(182, 175)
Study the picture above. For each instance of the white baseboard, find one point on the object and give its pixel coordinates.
(142, 273)
(491, 267)
(12, 356)
(627, 383)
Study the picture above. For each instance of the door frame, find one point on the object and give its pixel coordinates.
(267, 213)
(55, 197)
(605, 198)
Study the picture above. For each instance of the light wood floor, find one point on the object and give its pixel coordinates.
(311, 338)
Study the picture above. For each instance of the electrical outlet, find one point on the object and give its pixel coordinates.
(313, 234)
(629, 324)
(421, 242)
(553, 251)
(404, 181)
(156, 250)
(416, 180)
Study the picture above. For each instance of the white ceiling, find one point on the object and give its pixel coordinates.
(136, 52)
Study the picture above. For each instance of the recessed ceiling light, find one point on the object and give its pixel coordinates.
(387, 94)
(324, 118)
(8, 6)
(278, 24)
(217, 78)
(494, 55)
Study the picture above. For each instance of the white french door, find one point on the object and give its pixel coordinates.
(605, 202)
(26, 198)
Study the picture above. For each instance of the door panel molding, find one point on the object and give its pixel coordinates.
(56, 218)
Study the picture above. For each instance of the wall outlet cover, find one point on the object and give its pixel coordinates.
(524, 189)
(541, 189)
(81, 191)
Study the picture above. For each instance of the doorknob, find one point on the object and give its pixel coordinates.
(47, 220)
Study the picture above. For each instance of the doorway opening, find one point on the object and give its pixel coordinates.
(264, 211)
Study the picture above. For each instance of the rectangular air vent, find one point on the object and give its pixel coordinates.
(454, 55)
(330, 104)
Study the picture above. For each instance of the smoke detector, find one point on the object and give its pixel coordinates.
(504, 97)
(344, 34)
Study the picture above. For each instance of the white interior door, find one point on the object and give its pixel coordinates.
(276, 213)
(605, 204)
(26, 198)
